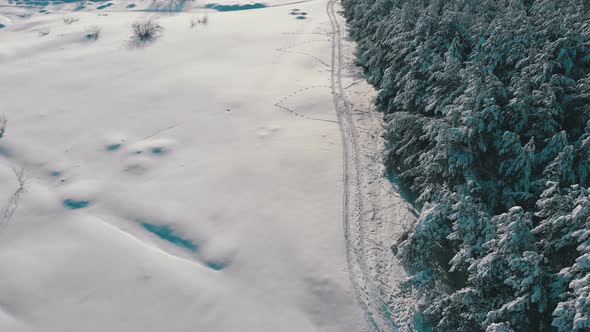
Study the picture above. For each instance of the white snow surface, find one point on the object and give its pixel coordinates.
(221, 138)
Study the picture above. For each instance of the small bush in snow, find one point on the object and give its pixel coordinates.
(3, 123)
(14, 200)
(70, 19)
(147, 30)
(92, 33)
(201, 20)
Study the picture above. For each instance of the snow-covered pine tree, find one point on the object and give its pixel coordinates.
(573, 311)
(510, 276)
(488, 112)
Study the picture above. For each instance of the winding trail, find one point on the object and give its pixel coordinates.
(353, 199)
(373, 209)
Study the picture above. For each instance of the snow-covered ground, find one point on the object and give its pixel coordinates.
(60, 6)
(190, 183)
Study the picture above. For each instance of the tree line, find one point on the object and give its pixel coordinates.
(487, 104)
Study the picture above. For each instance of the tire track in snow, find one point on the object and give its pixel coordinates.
(356, 214)
(353, 204)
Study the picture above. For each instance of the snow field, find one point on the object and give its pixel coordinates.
(165, 189)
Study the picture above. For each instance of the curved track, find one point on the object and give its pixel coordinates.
(374, 273)
(353, 199)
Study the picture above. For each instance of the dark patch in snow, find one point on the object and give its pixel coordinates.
(217, 266)
(299, 14)
(168, 234)
(165, 232)
(158, 150)
(75, 204)
(4, 152)
(227, 8)
(113, 147)
(101, 7)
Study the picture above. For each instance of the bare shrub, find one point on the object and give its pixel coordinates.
(92, 33)
(146, 31)
(3, 123)
(70, 19)
(201, 20)
(14, 200)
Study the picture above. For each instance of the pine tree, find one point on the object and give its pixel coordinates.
(510, 274)
(472, 227)
(573, 312)
(487, 106)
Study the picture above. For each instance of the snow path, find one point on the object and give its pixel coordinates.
(353, 200)
(374, 213)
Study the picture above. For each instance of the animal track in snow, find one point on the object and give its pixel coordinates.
(286, 50)
(281, 104)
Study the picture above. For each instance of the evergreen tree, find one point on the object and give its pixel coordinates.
(487, 106)
(509, 276)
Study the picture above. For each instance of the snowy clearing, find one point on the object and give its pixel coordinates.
(165, 189)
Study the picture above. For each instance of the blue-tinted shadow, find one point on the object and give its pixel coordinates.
(217, 266)
(157, 150)
(75, 204)
(166, 233)
(228, 8)
(113, 147)
(4, 152)
(101, 7)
